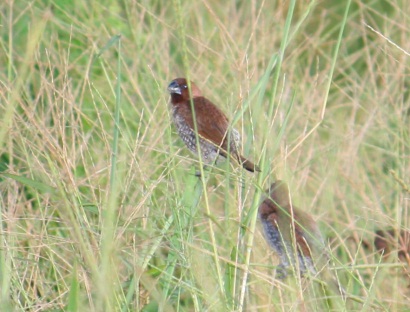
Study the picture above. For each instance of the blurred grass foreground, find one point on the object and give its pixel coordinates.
(100, 206)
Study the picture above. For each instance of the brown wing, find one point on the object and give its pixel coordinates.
(212, 123)
(278, 207)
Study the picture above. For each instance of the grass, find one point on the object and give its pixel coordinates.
(99, 214)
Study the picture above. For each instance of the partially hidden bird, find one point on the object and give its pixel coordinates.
(216, 138)
(386, 244)
(295, 236)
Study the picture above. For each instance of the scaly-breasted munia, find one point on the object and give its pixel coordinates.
(385, 243)
(216, 138)
(295, 237)
(290, 230)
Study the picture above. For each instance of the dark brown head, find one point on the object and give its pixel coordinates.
(277, 200)
(279, 192)
(178, 88)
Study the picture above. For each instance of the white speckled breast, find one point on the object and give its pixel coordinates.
(209, 151)
(285, 251)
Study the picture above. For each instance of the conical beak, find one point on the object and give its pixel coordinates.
(174, 88)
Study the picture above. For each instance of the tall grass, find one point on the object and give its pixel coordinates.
(99, 214)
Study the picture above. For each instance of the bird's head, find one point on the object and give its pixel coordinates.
(178, 88)
(279, 192)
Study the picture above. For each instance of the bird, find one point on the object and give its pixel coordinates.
(279, 219)
(216, 138)
(385, 243)
(295, 236)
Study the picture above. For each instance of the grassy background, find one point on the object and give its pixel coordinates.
(78, 234)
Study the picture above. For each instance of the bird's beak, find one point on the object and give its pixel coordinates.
(174, 88)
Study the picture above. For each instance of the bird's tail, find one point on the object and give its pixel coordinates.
(248, 165)
(333, 283)
(322, 266)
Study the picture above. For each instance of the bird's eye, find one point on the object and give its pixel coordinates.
(185, 86)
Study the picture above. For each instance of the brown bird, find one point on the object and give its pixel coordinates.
(216, 138)
(284, 225)
(385, 243)
(295, 236)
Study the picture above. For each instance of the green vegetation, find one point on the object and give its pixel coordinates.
(99, 217)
